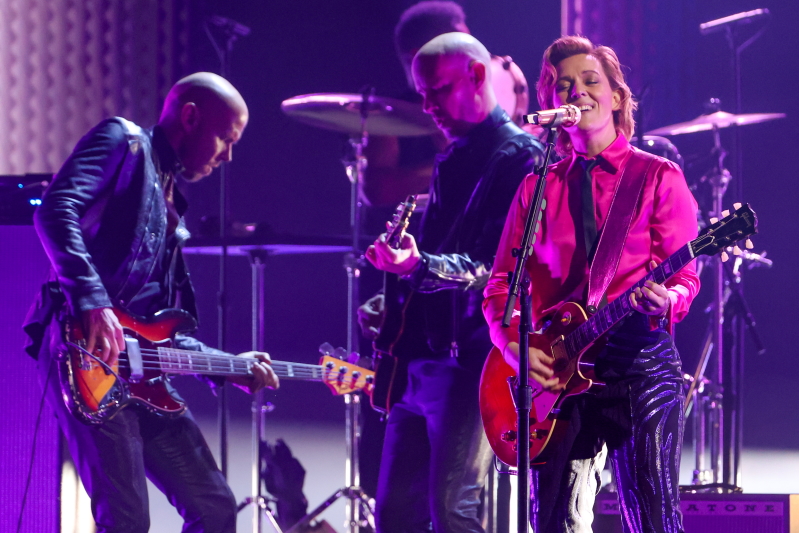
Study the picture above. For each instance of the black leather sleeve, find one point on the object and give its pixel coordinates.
(75, 195)
(471, 269)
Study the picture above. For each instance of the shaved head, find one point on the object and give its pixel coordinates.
(452, 72)
(456, 44)
(205, 89)
(203, 116)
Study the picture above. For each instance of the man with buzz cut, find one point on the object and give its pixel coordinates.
(436, 457)
(111, 223)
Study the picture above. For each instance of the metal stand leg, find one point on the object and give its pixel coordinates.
(358, 509)
(259, 405)
(717, 401)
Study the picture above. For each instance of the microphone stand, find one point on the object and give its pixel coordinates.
(519, 283)
(231, 31)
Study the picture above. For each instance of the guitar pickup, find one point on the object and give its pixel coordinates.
(133, 351)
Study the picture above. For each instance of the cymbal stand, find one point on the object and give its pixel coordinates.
(230, 31)
(358, 510)
(717, 402)
(260, 407)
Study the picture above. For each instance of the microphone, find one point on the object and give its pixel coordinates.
(706, 28)
(230, 26)
(566, 115)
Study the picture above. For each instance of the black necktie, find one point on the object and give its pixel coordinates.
(589, 217)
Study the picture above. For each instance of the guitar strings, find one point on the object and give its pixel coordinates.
(179, 361)
(325, 376)
(176, 354)
(172, 359)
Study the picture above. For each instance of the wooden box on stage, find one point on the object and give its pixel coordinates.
(716, 513)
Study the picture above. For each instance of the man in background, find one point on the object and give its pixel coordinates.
(436, 456)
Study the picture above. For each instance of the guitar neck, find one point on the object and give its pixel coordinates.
(610, 315)
(174, 361)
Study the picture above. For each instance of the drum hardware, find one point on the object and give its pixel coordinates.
(510, 87)
(344, 113)
(716, 401)
(715, 120)
(659, 146)
(358, 115)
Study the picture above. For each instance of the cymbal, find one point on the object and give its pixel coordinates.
(342, 112)
(719, 119)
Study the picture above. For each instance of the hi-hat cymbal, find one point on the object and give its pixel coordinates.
(719, 119)
(342, 112)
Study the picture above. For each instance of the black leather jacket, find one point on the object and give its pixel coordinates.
(103, 225)
(474, 183)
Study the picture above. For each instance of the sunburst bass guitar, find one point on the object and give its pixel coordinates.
(95, 392)
(573, 340)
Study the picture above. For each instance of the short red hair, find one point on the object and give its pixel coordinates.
(572, 45)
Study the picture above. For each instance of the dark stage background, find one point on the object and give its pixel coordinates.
(288, 176)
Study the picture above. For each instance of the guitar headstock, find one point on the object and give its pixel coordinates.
(343, 377)
(729, 231)
(398, 224)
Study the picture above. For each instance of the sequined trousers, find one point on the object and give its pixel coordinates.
(636, 422)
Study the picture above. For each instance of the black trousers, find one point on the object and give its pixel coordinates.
(115, 458)
(638, 419)
(435, 456)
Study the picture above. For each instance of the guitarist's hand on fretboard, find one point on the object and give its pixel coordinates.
(262, 374)
(399, 261)
(653, 299)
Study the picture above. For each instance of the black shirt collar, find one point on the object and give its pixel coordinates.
(496, 118)
(168, 162)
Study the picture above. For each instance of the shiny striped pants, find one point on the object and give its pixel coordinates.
(637, 423)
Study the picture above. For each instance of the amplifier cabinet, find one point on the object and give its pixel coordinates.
(716, 513)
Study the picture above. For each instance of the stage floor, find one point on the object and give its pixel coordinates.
(320, 449)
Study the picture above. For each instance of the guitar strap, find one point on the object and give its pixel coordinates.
(617, 227)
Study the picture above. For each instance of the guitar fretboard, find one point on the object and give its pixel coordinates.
(175, 361)
(610, 315)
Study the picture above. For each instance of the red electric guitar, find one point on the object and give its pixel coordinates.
(573, 340)
(95, 392)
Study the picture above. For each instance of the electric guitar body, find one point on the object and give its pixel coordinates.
(574, 339)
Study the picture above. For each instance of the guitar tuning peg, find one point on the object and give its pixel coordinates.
(737, 205)
(725, 213)
(724, 257)
(713, 220)
(543, 204)
(749, 244)
(326, 349)
(736, 250)
(339, 353)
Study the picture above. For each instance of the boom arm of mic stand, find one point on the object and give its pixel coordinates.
(528, 237)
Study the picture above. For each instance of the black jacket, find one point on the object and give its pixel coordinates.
(103, 225)
(474, 183)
